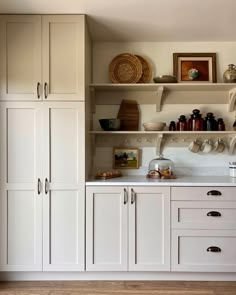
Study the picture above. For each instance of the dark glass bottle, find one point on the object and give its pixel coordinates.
(234, 125)
(210, 124)
(182, 124)
(220, 125)
(190, 123)
(197, 121)
(172, 126)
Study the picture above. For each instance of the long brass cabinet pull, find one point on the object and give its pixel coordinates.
(38, 90)
(214, 214)
(132, 196)
(213, 249)
(125, 196)
(46, 186)
(214, 193)
(39, 186)
(46, 90)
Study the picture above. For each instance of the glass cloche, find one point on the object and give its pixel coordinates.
(161, 168)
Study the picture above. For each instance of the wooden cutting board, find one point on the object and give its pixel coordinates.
(129, 115)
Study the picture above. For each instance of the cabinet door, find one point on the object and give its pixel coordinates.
(63, 57)
(20, 200)
(20, 57)
(106, 229)
(149, 229)
(63, 204)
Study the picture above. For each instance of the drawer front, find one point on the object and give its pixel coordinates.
(204, 250)
(203, 215)
(204, 193)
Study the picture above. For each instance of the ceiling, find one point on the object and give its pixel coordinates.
(142, 20)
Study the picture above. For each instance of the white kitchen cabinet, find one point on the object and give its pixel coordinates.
(203, 229)
(42, 57)
(42, 186)
(127, 228)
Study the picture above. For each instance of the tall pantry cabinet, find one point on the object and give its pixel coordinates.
(42, 129)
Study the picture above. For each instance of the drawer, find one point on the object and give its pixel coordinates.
(197, 250)
(204, 193)
(203, 215)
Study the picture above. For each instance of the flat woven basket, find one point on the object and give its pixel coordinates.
(146, 70)
(125, 68)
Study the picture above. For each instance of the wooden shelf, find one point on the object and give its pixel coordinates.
(163, 132)
(167, 86)
(222, 93)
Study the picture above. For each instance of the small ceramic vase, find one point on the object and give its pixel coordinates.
(229, 75)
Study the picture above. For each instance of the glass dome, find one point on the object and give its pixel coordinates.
(164, 166)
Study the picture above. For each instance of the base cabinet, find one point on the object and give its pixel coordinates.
(127, 228)
(203, 229)
(42, 205)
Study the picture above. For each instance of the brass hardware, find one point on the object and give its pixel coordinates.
(214, 193)
(46, 90)
(46, 186)
(39, 182)
(214, 214)
(132, 196)
(213, 249)
(38, 92)
(125, 196)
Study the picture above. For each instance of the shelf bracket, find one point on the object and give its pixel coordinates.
(232, 98)
(93, 99)
(158, 144)
(232, 145)
(159, 95)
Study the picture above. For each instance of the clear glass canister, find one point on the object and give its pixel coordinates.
(164, 166)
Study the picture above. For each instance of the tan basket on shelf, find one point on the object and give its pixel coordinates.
(146, 70)
(125, 68)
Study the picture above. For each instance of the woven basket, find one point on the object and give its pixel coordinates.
(125, 68)
(146, 70)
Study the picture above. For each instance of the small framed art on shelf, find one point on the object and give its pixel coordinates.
(195, 67)
(125, 158)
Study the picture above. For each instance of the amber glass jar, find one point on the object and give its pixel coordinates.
(182, 124)
(197, 121)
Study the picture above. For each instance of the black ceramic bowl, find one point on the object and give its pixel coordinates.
(110, 124)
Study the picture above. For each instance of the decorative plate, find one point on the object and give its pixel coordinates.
(146, 70)
(125, 68)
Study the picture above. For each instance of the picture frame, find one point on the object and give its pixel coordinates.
(126, 158)
(195, 67)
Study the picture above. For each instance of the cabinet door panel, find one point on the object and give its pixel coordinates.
(106, 229)
(63, 57)
(20, 57)
(64, 204)
(20, 203)
(149, 229)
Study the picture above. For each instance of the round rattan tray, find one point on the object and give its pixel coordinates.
(125, 68)
(146, 70)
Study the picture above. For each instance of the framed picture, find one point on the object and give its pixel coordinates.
(126, 158)
(195, 67)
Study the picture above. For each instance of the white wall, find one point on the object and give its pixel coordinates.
(160, 55)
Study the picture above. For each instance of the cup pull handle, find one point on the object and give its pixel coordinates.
(213, 249)
(214, 214)
(214, 193)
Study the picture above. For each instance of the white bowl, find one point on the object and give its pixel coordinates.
(154, 126)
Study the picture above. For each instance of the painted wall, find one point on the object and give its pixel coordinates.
(160, 55)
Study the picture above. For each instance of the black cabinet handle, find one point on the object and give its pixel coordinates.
(214, 193)
(132, 196)
(125, 196)
(46, 186)
(38, 186)
(214, 214)
(45, 90)
(213, 249)
(38, 91)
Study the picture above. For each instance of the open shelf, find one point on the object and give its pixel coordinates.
(164, 132)
(154, 93)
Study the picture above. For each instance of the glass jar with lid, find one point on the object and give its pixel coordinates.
(165, 167)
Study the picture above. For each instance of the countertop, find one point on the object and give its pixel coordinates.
(180, 181)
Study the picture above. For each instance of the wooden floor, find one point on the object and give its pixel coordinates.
(118, 287)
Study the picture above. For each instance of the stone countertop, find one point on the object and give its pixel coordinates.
(180, 181)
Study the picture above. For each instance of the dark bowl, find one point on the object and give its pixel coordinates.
(165, 79)
(110, 124)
